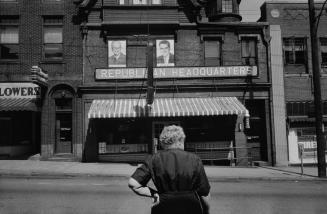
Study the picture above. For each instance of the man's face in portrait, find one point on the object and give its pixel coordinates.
(164, 48)
(116, 48)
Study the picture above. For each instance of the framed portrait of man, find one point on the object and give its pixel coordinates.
(165, 52)
(117, 53)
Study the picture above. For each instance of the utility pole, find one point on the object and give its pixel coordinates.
(321, 146)
(150, 88)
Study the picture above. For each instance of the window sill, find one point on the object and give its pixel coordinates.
(297, 75)
(8, 2)
(8, 61)
(55, 2)
(142, 6)
(52, 62)
(295, 65)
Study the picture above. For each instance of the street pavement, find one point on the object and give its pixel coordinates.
(214, 173)
(111, 195)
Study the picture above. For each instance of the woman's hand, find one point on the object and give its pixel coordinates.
(155, 200)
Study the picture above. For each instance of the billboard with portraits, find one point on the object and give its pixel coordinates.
(165, 52)
(117, 53)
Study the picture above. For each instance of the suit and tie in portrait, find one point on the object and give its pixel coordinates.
(165, 56)
(117, 58)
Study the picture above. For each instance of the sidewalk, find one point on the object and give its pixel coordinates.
(214, 173)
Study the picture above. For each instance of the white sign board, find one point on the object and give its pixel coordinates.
(19, 90)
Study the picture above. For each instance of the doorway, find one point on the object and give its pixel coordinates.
(63, 125)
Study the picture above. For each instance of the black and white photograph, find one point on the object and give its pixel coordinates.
(117, 53)
(165, 52)
(163, 106)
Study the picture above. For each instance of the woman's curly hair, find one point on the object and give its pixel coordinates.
(171, 135)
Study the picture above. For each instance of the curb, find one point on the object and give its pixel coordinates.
(49, 175)
(58, 175)
(291, 172)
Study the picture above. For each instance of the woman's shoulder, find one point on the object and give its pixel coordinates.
(177, 152)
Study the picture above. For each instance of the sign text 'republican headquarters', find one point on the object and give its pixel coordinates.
(176, 72)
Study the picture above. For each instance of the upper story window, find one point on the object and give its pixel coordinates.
(53, 38)
(323, 49)
(136, 55)
(212, 52)
(140, 2)
(249, 50)
(295, 50)
(227, 6)
(9, 37)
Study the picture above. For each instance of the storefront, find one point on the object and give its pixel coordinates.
(302, 140)
(127, 130)
(19, 119)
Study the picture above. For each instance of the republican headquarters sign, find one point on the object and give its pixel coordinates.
(176, 72)
(19, 90)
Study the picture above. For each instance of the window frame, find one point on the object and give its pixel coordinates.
(227, 6)
(305, 51)
(256, 41)
(49, 25)
(323, 64)
(16, 25)
(220, 51)
(129, 57)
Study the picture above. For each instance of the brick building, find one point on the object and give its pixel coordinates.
(34, 118)
(291, 62)
(211, 76)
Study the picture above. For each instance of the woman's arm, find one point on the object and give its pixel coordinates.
(143, 190)
(138, 188)
(205, 200)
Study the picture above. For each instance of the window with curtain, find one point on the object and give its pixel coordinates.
(9, 38)
(323, 49)
(53, 38)
(227, 6)
(212, 52)
(295, 50)
(249, 50)
(140, 2)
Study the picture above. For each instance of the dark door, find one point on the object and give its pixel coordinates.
(257, 134)
(63, 126)
(5, 131)
(64, 133)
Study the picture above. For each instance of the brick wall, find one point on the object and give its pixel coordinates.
(189, 51)
(68, 71)
(294, 22)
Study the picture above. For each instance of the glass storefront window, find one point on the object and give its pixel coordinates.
(121, 137)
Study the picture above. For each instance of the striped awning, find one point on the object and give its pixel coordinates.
(167, 107)
(18, 104)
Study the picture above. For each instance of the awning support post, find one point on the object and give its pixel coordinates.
(241, 153)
